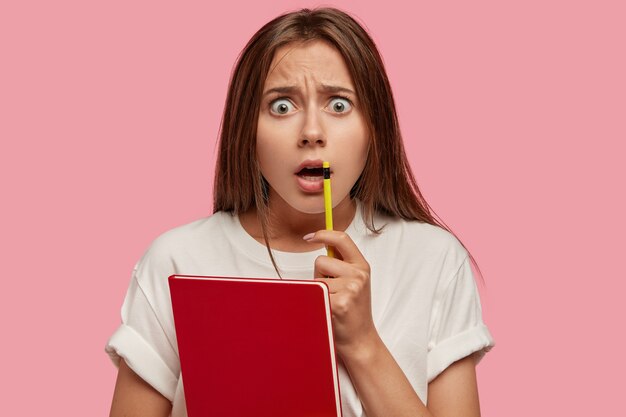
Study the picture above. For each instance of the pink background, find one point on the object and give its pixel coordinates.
(513, 114)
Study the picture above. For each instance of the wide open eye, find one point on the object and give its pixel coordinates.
(340, 105)
(281, 106)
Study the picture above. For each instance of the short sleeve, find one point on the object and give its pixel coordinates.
(143, 343)
(456, 328)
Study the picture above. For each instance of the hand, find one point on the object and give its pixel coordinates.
(350, 291)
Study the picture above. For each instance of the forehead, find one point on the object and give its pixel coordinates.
(316, 61)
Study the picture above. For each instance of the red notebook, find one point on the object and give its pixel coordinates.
(255, 347)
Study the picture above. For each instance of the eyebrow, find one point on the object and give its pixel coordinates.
(324, 88)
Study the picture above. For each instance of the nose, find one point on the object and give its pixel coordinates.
(312, 131)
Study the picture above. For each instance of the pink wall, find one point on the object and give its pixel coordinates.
(513, 115)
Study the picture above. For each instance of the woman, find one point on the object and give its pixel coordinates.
(310, 86)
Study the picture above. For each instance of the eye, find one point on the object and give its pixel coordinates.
(340, 104)
(281, 106)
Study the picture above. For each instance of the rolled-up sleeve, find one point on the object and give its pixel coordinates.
(456, 328)
(143, 343)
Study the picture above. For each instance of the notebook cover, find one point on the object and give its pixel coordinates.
(255, 347)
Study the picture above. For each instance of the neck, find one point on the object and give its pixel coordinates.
(287, 226)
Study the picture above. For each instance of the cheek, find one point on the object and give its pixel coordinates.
(263, 142)
(356, 145)
(262, 131)
(270, 148)
(265, 158)
(271, 133)
(353, 157)
(361, 148)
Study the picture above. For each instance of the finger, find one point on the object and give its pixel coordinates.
(341, 241)
(334, 285)
(325, 266)
(346, 285)
(341, 295)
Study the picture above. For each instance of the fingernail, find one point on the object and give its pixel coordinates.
(309, 236)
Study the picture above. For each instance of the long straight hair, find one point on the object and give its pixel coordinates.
(386, 185)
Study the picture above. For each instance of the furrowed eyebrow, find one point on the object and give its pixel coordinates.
(336, 89)
(290, 89)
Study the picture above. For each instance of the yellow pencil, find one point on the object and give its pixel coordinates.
(328, 205)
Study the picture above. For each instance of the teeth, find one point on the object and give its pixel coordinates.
(310, 178)
(311, 171)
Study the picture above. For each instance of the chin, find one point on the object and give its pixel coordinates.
(303, 203)
(312, 207)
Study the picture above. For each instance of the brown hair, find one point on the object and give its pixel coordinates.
(386, 185)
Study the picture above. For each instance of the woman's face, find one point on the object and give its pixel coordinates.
(309, 114)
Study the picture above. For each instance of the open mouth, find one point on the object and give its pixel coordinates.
(311, 173)
(310, 176)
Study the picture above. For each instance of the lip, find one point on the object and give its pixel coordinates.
(309, 186)
(306, 185)
(310, 163)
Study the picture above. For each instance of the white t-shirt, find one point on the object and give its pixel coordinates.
(425, 303)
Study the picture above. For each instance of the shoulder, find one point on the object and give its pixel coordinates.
(418, 236)
(414, 251)
(184, 239)
(183, 234)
